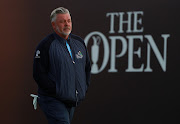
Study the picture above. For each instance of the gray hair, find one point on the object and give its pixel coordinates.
(59, 10)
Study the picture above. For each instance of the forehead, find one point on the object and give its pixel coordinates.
(63, 16)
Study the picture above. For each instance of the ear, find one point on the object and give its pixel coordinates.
(53, 25)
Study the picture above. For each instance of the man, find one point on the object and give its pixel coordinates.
(61, 69)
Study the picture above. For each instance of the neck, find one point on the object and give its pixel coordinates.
(63, 36)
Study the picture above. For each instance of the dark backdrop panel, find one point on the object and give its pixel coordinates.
(113, 97)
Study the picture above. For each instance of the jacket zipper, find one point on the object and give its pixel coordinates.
(76, 91)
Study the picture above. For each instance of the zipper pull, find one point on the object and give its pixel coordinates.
(76, 97)
(73, 62)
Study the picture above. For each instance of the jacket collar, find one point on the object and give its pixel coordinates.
(62, 39)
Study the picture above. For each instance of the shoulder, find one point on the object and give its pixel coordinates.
(78, 38)
(46, 42)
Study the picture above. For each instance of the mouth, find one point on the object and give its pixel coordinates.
(67, 28)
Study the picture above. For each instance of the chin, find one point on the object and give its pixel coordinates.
(66, 33)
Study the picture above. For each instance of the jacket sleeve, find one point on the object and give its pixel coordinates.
(88, 69)
(41, 69)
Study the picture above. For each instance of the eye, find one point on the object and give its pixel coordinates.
(69, 21)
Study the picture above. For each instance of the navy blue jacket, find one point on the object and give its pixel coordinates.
(56, 73)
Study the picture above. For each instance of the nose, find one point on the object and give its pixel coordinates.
(66, 23)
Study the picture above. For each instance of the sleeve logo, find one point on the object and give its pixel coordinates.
(37, 54)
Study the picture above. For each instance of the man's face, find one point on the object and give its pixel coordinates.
(63, 24)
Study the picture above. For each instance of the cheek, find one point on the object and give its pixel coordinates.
(71, 25)
(60, 26)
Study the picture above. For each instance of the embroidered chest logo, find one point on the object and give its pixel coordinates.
(37, 54)
(79, 55)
